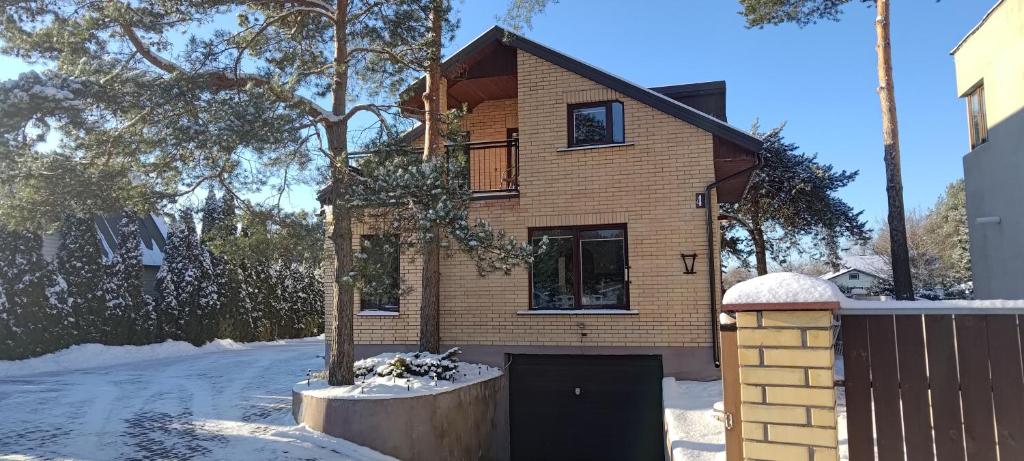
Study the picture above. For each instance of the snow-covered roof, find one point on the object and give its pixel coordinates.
(783, 287)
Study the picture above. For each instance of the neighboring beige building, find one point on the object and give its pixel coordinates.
(613, 173)
(990, 77)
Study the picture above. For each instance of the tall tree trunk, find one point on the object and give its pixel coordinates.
(893, 179)
(760, 250)
(433, 142)
(341, 372)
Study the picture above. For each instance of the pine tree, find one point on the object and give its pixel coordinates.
(80, 263)
(791, 200)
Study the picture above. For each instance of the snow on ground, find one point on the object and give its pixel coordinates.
(693, 432)
(84, 356)
(230, 403)
(378, 387)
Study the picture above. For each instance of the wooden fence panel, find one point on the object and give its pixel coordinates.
(1007, 384)
(857, 367)
(975, 387)
(945, 388)
(885, 387)
(913, 383)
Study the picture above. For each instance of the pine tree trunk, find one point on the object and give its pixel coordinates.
(760, 250)
(433, 142)
(341, 371)
(893, 179)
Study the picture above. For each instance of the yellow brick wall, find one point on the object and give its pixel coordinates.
(786, 385)
(649, 185)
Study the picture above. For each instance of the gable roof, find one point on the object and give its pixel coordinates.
(497, 35)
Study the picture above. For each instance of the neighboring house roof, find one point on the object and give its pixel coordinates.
(976, 27)
(872, 265)
(152, 232)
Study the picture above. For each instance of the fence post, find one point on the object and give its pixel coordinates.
(786, 375)
(731, 389)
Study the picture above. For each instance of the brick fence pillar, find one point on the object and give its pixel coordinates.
(786, 369)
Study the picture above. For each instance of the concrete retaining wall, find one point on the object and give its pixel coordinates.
(456, 425)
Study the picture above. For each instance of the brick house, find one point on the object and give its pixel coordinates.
(625, 182)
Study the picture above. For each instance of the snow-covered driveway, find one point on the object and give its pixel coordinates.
(228, 404)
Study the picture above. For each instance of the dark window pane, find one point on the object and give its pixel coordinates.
(618, 134)
(552, 273)
(603, 268)
(602, 234)
(381, 257)
(589, 126)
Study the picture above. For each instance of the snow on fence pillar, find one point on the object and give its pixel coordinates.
(786, 366)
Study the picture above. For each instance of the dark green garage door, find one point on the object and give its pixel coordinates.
(586, 407)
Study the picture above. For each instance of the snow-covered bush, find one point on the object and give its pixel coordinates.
(404, 365)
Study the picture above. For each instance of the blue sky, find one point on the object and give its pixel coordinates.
(819, 80)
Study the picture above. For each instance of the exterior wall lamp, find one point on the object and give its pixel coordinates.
(688, 261)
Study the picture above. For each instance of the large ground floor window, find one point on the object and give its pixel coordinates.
(584, 267)
(380, 256)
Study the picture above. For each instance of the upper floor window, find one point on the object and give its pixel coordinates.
(582, 268)
(596, 123)
(978, 123)
(854, 276)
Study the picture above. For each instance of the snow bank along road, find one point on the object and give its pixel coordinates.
(230, 404)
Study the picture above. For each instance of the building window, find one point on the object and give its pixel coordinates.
(854, 276)
(596, 123)
(978, 123)
(582, 268)
(379, 258)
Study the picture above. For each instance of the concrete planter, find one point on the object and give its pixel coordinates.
(457, 424)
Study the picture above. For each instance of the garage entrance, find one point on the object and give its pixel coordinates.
(586, 407)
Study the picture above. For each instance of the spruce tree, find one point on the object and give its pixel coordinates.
(23, 282)
(80, 262)
(126, 303)
(188, 296)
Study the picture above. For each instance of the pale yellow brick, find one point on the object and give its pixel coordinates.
(799, 357)
(808, 396)
(826, 454)
(775, 451)
(784, 376)
(746, 319)
(774, 414)
(796, 319)
(822, 437)
(819, 338)
(753, 431)
(821, 378)
(749, 356)
(765, 337)
(751, 393)
(823, 417)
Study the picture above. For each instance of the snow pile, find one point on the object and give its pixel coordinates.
(83, 356)
(783, 287)
(693, 433)
(382, 379)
